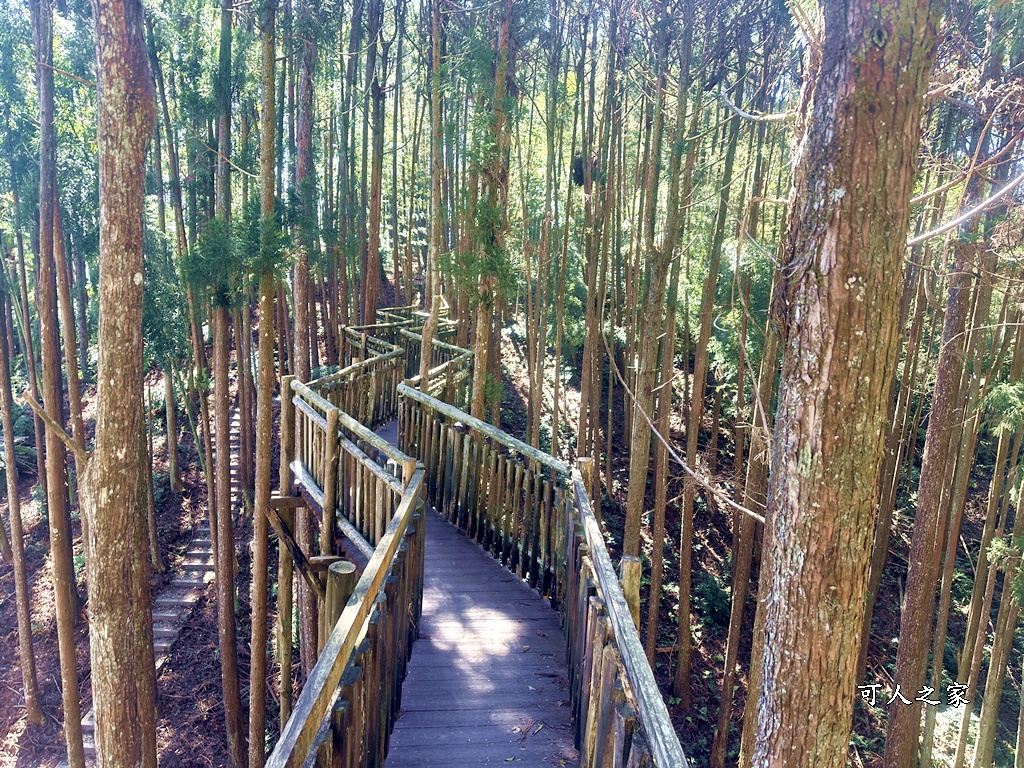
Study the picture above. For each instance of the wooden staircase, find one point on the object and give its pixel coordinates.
(172, 608)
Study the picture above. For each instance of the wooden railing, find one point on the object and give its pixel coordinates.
(398, 314)
(451, 371)
(367, 390)
(373, 492)
(499, 490)
(344, 470)
(348, 705)
(363, 342)
(413, 317)
(531, 511)
(619, 711)
(528, 508)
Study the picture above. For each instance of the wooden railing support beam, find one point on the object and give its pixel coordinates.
(630, 570)
(330, 483)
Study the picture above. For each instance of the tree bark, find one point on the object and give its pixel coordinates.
(306, 186)
(917, 616)
(64, 586)
(120, 618)
(854, 171)
(26, 655)
(264, 395)
(226, 543)
(433, 288)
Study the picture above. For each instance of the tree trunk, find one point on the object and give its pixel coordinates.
(696, 414)
(917, 616)
(147, 452)
(842, 271)
(64, 586)
(433, 288)
(306, 186)
(120, 618)
(171, 411)
(26, 331)
(226, 543)
(26, 655)
(659, 258)
(371, 279)
(264, 395)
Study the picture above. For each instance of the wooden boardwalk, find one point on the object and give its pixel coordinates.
(487, 684)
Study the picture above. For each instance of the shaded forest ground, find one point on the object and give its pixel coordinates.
(190, 728)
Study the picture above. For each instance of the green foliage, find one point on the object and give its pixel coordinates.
(712, 600)
(949, 657)
(494, 391)
(262, 249)
(215, 264)
(24, 460)
(1006, 554)
(164, 323)
(23, 422)
(1004, 406)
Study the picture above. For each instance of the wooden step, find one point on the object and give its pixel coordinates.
(165, 630)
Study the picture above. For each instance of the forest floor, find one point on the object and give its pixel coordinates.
(190, 726)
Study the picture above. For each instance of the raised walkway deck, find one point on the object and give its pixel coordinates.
(488, 682)
(497, 676)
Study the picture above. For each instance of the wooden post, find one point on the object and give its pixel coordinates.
(330, 484)
(341, 580)
(629, 578)
(284, 607)
(287, 435)
(408, 468)
(320, 566)
(586, 467)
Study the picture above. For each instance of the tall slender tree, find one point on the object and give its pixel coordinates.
(842, 271)
(265, 391)
(26, 655)
(121, 622)
(66, 598)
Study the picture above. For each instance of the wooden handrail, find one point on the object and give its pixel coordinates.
(435, 342)
(662, 738)
(356, 367)
(311, 398)
(484, 428)
(300, 731)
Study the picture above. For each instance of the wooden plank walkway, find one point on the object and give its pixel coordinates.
(487, 684)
